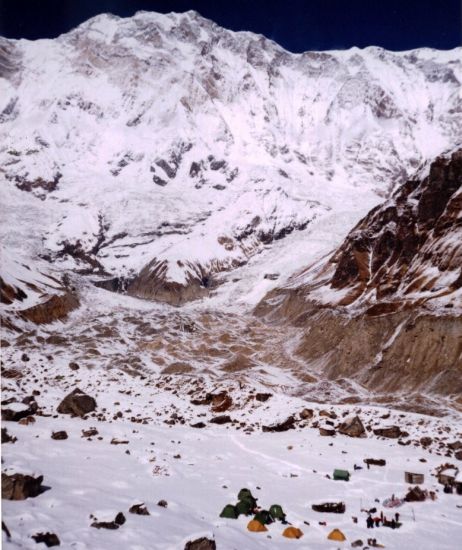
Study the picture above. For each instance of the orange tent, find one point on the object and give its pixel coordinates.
(256, 527)
(336, 534)
(292, 533)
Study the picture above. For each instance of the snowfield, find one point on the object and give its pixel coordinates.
(198, 472)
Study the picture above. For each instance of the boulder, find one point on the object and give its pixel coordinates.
(6, 437)
(262, 397)
(49, 539)
(162, 503)
(455, 445)
(77, 403)
(426, 441)
(198, 425)
(139, 509)
(14, 411)
(201, 544)
(330, 414)
(352, 427)
(326, 431)
(222, 419)
(115, 524)
(458, 455)
(306, 414)
(392, 432)
(288, 424)
(221, 402)
(90, 432)
(357, 544)
(21, 486)
(59, 435)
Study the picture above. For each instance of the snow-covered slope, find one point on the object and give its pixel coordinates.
(166, 145)
(385, 308)
(406, 251)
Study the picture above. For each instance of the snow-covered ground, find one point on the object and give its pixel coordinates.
(199, 471)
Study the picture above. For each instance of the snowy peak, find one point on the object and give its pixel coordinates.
(136, 141)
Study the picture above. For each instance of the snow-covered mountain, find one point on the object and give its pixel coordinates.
(161, 150)
(385, 308)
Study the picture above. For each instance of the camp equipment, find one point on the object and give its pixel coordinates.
(256, 527)
(292, 533)
(336, 534)
(230, 512)
(341, 475)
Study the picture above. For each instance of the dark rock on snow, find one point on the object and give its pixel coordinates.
(393, 432)
(115, 524)
(139, 509)
(288, 424)
(50, 539)
(77, 403)
(221, 402)
(15, 411)
(7, 438)
(20, 486)
(201, 544)
(222, 419)
(327, 431)
(353, 427)
(59, 435)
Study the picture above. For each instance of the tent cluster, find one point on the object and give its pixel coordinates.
(247, 506)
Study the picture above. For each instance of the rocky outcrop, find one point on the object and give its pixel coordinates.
(56, 308)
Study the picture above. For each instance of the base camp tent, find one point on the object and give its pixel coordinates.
(230, 512)
(256, 527)
(277, 512)
(336, 534)
(292, 533)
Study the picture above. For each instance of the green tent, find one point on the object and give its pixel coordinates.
(230, 512)
(264, 517)
(277, 512)
(244, 493)
(341, 475)
(245, 507)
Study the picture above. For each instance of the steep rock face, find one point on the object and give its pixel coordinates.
(173, 142)
(405, 252)
(385, 309)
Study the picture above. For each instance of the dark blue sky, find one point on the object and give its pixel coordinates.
(298, 25)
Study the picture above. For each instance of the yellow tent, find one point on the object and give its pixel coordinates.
(336, 534)
(256, 527)
(292, 533)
